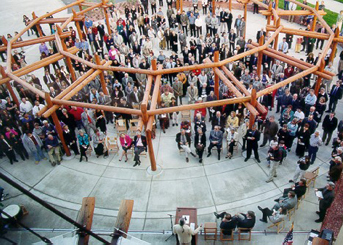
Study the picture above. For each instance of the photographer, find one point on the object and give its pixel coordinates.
(274, 157)
(303, 165)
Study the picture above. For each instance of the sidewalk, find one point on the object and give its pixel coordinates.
(330, 4)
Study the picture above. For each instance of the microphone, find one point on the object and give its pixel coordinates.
(170, 214)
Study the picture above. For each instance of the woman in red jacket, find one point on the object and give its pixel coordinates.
(126, 143)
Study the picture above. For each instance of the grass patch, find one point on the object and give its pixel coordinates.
(330, 17)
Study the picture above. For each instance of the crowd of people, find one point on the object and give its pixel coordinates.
(182, 39)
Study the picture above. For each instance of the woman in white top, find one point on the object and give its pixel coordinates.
(232, 138)
(198, 25)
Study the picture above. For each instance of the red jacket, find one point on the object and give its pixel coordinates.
(127, 139)
(76, 113)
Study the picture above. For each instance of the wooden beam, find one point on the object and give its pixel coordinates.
(290, 12)
(300, 32)
(253, 103)
(144, 104)
(104, 7)
(37, 65)
(230, 5)
(151, 150)
(101, 75)
(123, 220)
(216, 78)
(213, 7)
(334, 46)
(319, 80)
(85, 218)
(314, 21)
(64, 46)
(260, 57)
(242, 88)
(82, 12)
(58, 20)
(270, 7)
(35, 41)
(245, 19)
(181, 5)
(57, 125)
(9, 87)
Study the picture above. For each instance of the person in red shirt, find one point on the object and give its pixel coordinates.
(76, 112)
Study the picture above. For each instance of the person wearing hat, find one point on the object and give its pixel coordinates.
(325, 201)
(184, 232)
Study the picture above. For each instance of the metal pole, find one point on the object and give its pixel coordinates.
(44, 239)
(51, 208)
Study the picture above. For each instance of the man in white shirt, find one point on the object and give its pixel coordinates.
(283, 46)
(37, 107)
(25, 106)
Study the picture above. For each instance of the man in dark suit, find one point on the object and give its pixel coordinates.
(184, 142)
(228, 223)
(335, 95)
(200, 143)
(245, 220)
(325, 201)
(252, 136)
(298, 188)
(321, 30)
(232, 39)
(7, 149)
(216, 140)
(48, 79)
(259, 34)
(329, 125)
(140, 145)
(218, 120)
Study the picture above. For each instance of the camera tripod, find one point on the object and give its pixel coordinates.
(171, 227)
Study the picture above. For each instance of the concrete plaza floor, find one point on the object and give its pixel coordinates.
(214, 186)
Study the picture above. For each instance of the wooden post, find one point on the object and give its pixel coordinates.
(177, 5)
(253, 103)
(102, 77)
(277, 37)
(85, 218)
(269, 17)
(260, 57)
(151, 149)
(68, 60)
(319, 80)
(123, 220)
(154, 68)
(214, 7)
(106, 16)
(334, 46)
(276, 4)
(181, 5)
(57, 124)
(9, 87)
(245, 19)
(4, 41)
(313, 27)
(77, 24)
(230, 5)
(216, 78)
(40, 32)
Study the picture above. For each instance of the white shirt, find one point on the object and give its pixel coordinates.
(198, 22)
(27, 107)
(36, 109)
(299, 115)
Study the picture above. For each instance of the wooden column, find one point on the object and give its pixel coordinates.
(154, 67)
(313, 27)
(334, 46)
(269, 18)
(68, 60)
(181, 7)
(177, 5)
(319, 80)
(253, 102)
(102, 77)
(40, 32)
(260, 57)
(57, 124)
(216, 78)
(4, 41)
(85, 218)
(214, 7)
(106, 17)
(277, 37)
(230, 6)
(77, 24)
(276, 4)
(123, 220)
(9, 87)
(245, 19)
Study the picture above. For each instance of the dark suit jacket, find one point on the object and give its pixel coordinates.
(202, 140)
(330, 125)
(328, 197)
(143, 141)
(178, 140)
(46, 80)
(221, 123)
(228, 226)
(256, 135)
(246, 223)
(337, 95)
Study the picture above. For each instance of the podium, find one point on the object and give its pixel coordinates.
(193, 216)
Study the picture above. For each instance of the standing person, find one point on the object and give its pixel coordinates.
(7, 149)
(335, 95)
(126, 143)
(303, 165)
(54, 150)
(329, 125)
(270, 129)
(184, 142)
(70, 139)
(200, 143)
(252, 136)
(84, 144)
(17, 144)
(315, 142)
(328, 195)
(88, 120)
(327, 82)
(33, 144)
(303, 135)
(184, 232)
(274, 157)
(140, 145)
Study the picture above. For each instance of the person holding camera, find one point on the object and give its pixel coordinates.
(274, 157)
(303, 165)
